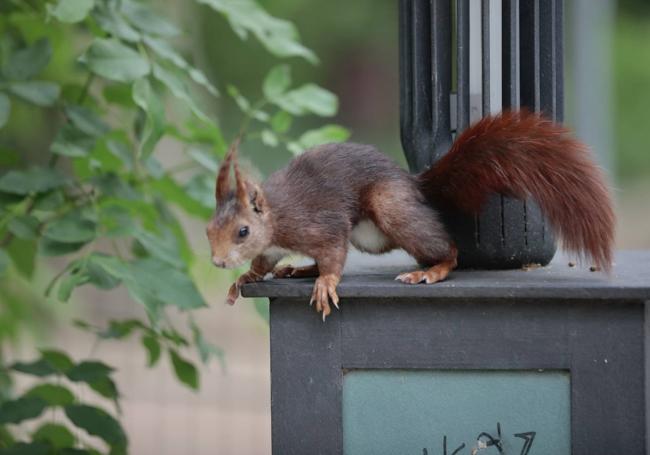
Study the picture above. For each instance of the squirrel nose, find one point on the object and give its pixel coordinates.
(218, 262)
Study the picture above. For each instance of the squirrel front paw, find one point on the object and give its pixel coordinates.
(285, 271)
(324, 290)
(288, 271)
(234, 291)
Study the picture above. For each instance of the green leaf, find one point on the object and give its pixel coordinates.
(308, 98)
(50, 202)
(24, 226)
(97, 423)
(71, 11)
(121, 329)
(278, 36)
(86, 120)
(200, 78)
(28, 62)
(6, 438)
(324, 135)
(112, 22)
(277, 81)
(28, 448)
(165, 51)
(173, 192)
(69, 283)
(120, 94)
(179, 89)
(89, 371)
(5, 109)
(72, 142)
(269, 138)
(152, 346)
(145, 97)
(113, 60)
(52, 248)
(58, 436)
(54, 395)
(162, 248)
(281, 122)
(105, 387)
(175, 337)
(185, 371)
(57, 359)
(72, 228)
(40, 93)
(122, 151)
(23, 255)
(97, 273)
(34, 180)
(152, 282)
(144, 18)
(15, 411)
(40, 368)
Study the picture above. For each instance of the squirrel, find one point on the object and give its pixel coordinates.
(335, 195)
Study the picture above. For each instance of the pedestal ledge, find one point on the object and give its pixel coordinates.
(373, 276)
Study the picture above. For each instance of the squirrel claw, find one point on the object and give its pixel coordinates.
(324, 291)
(284, 272)
(432, 275)
(233, 294)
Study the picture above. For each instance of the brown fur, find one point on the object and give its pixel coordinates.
(525, 155)
(312, 206)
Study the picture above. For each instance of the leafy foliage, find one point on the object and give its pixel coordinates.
(101, 200)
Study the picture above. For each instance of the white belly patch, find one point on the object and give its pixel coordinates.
(367, 237)
(275, 253)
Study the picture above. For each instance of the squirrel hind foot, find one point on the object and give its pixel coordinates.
(431, 275)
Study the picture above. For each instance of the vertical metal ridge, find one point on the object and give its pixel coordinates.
(525, 223)
(559, 60)
(462, 40)
(405, 71)
(548, 58)
(485, 55)
(503, 220)
(529, 54)
(421, 71)
(510, 50)
(441, 77)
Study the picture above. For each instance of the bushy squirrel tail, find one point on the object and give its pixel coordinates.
(524, 155)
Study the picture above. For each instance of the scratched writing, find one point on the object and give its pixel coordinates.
(485, 441)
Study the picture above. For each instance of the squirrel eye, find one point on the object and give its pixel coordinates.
(243, 232)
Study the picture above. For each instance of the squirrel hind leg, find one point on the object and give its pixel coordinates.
(399, 210)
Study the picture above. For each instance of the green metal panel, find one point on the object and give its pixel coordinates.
(442, 412)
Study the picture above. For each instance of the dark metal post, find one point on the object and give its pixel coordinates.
(507, 233)
(424, 92)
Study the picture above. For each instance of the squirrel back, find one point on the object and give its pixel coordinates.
(523, 155)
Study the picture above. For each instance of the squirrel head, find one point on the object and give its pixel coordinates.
(240, 229)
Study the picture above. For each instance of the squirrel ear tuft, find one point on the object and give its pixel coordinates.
(241, 186)
(256, 197)
(223, 176)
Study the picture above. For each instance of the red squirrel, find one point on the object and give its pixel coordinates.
(335, 195)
